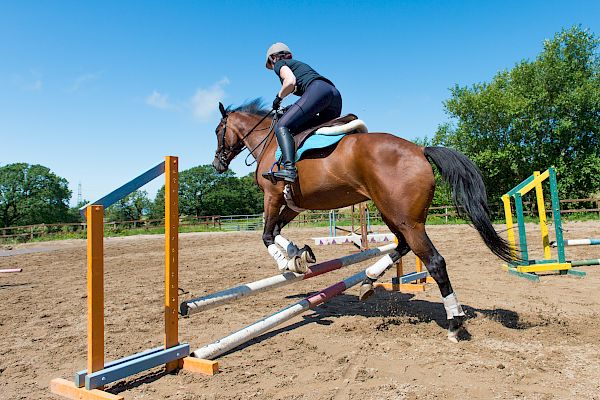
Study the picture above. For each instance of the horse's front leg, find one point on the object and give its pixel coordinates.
(305, 253)
(271, 236)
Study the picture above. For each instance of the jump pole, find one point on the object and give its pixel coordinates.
(228, 295)
(582, 263)
(9, 270)
(578, 242)
(248, 333)
(411, 282)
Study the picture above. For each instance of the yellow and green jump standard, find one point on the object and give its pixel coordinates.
(88, 384)
(523, 266)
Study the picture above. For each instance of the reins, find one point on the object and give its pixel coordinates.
(268, 137)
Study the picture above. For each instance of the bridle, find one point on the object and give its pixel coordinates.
(225, 150)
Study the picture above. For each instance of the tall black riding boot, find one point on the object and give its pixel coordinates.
(288, 152)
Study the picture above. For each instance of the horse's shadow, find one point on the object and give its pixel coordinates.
(395, 308)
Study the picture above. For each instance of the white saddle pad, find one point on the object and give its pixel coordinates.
(353, 126)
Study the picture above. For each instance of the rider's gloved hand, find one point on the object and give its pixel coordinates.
(277, 102)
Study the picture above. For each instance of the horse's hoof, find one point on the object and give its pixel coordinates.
(308, 255)
(453, 336)
(366, 291)
(297, 265)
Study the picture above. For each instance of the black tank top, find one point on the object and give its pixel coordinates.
(304, 74)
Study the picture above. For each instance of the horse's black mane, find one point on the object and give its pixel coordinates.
(254, 106)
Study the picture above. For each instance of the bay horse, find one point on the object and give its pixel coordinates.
(392, 172)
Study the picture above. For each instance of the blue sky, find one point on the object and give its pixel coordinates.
(99, 91)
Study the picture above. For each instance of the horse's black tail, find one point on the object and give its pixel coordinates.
(468, 195)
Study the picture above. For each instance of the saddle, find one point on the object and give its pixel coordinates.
(335, 128)
(347, 124)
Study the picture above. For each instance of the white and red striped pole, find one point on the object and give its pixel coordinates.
(225, 296)
(232, 341)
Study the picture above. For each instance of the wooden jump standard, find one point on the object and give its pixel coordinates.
(411, 282)
(87, 383)
(232, 341)
(523, 266)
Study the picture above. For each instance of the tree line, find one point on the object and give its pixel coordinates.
(32, 194)
(543, 112)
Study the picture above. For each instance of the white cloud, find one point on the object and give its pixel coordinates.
(34, 86)
(159, 100)
(31, 82)
(84, 79)
(205, 102)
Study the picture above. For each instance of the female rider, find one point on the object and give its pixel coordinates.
(319, 102)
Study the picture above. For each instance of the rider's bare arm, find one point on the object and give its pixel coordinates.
(289, 81)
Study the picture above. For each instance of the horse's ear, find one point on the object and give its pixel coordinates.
(222, 109)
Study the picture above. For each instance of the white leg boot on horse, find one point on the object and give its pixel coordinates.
(305, 254)
(453, 309)
(294, 264)
(375, 272)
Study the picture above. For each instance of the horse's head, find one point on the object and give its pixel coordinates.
(229, 144)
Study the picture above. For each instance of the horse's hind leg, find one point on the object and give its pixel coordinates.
(421, 245)
(367, 288)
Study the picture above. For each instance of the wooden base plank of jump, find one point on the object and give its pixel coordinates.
(201, 366)
(546, 267)
(532, 275)
(67, 389)
(412, 282)
(404, 287)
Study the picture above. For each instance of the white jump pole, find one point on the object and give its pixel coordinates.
(578, 242)
(225, 296)
(582, 242)
(232, 341)
(5, 271)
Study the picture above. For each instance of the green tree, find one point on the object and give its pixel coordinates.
(32, 194)
(202, 191)
(157, 208)
(541, 113)
(235, 196)
(132, 207)
(253, 194)
(195, 185)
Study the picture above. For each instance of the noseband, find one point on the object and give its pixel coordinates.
(225, 150)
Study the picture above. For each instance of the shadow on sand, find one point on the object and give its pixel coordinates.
(395, 308)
